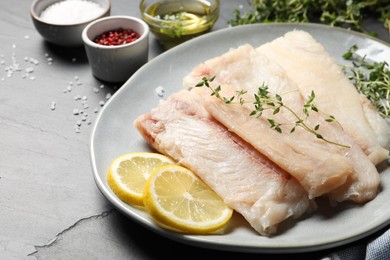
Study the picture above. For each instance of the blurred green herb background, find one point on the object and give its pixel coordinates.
(343, 13)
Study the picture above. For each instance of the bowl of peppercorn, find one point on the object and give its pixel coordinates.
(61, 22)
(116, 47)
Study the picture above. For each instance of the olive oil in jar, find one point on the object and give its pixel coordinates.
(175, 21)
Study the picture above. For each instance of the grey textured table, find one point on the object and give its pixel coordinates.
(50, 206)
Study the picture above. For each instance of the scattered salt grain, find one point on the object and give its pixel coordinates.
(77, 79)
(34, 61)
(16, 67)
(53, 105)
(160, 91)
(71, 11)
(29, 70)
(49, 59)
(81, 110)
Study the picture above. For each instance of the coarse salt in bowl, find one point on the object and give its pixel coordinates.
(62, 21)
(118, 61)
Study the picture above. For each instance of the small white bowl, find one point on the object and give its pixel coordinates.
(116, 63)
(63, 34)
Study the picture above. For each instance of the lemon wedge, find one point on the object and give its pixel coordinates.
(128, 173)
(175, 197)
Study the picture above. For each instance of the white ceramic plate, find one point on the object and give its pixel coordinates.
(114, 134)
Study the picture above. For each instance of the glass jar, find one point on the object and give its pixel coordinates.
(175, 21)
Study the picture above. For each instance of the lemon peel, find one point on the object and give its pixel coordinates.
(128, 173)
(175, 197)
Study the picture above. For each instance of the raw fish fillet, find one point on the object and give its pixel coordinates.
(320, 167)
(308, 64)
(248, 182)
(380, 126)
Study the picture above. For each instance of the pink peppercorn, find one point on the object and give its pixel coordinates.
(117, 37)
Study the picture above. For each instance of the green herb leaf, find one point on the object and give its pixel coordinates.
(263, 100)
(344, 13)
(371, 79)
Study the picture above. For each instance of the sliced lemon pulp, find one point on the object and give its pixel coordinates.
(128, 173)
(177, 198)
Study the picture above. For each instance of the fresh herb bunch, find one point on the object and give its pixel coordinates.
(346, 13)
(264, 101)
(371, 79)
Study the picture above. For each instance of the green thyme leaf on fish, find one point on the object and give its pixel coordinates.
(263, 100)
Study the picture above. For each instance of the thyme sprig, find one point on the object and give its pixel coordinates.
(370, 78)
(264, 101)
(333, 12)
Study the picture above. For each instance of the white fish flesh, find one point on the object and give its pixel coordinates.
(263, 193)
(320, 167)
(307, 63)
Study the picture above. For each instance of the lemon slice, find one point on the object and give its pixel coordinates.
(128, 173)
(175, 197)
